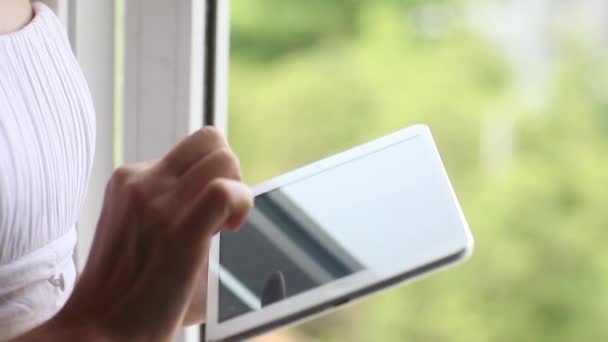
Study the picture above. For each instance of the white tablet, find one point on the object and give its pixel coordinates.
(324, 235)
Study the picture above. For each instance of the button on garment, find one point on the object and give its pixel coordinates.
(46, 151)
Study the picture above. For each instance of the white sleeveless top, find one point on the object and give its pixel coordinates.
(47, 134)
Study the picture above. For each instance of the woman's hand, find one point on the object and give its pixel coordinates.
(148, 262)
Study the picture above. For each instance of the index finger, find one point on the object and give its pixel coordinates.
(193, 148)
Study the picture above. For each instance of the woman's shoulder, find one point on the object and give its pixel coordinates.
(29, 21)
(14, 15)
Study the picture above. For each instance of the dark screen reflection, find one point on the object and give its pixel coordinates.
(280, 252)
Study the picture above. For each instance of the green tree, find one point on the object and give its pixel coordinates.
(312, 78)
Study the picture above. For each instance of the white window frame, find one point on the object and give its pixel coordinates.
(163, 84)
(170, 80)
(216, 70)
(217, 57)
(163, 75)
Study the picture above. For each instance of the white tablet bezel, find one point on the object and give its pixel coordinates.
(310, 303)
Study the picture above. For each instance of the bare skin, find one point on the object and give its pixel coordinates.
(14, 14)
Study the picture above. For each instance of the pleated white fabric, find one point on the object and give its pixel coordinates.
(47, 136)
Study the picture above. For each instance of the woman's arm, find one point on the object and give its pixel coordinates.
(14, 14)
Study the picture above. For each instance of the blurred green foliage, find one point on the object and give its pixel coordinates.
(312, 78)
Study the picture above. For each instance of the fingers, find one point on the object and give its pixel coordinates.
(169, 283)
(223, 199)
(275, 289)
(221, 163)
(192, 149)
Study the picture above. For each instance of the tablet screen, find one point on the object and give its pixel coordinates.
(375, 212)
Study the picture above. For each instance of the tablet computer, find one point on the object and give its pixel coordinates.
(335, 231)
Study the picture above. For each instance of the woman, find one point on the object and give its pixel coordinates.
(145, 276)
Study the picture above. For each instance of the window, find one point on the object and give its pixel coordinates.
(515, 93)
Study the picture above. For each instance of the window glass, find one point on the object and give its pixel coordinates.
(515, 93)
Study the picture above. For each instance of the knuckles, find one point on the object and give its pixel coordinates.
(127, 183)
(135, 190)
(150, 193)
(209, 135)
(227, 157)
(217, 194)
(122, 175)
